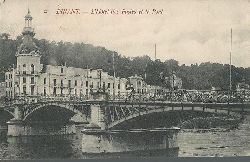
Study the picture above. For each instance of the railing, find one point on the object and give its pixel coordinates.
(188, 96)
(193, 96)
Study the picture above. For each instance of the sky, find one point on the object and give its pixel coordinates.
(190, 31)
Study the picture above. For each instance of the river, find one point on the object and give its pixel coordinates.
(231, 143)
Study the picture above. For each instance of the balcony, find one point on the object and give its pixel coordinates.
(27, 73)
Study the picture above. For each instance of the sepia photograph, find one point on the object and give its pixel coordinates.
(95, 79)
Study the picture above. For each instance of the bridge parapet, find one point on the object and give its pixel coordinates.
(170, 96)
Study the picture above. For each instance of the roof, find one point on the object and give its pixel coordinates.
(28, 16)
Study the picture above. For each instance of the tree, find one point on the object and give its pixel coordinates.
(203, 76)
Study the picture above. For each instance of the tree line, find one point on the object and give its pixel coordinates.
(196, 76)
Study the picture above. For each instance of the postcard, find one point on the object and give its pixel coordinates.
(94, 79)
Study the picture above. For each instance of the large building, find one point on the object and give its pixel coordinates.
(30, 78)
(174, 81)
(138, 84)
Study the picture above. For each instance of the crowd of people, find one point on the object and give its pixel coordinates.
(171, 96)
(195, 96)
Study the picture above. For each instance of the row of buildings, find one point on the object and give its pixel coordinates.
(31, 78)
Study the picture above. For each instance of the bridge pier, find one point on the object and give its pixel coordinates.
(16, 125)
(97, 116)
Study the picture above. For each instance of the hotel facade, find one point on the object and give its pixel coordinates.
(30, 78)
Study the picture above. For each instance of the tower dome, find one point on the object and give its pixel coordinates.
(28, 16)
(28, 46)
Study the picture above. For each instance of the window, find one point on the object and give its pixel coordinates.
(75, 82)
(61, 83)
(24, 72)
(32, 88)
(32, 69)
(87, 91)
(6, 76)
(113, 85)
(139, 83)
(24, 80)
(87, 83)
(54, 91)
(69, 83)
(32, 80)
(44, 91)
(108, 85)
(61, 91)
(103, 84)
(44, 80)
(54, 82)
(119, 86)
(75, 91)
(24, 65)
(24, 89)
(61, 69)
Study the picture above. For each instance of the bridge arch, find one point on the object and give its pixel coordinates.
(63, 106)
(6, 115)
(143, 112)
(10, 113)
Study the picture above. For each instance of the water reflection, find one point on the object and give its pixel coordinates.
(233, 143)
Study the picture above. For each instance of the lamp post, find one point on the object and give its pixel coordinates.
(114, 75)
(230, 67)
(13, 82)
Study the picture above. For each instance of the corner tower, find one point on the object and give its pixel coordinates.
(28, 60)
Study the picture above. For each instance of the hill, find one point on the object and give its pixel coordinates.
(202, 76)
